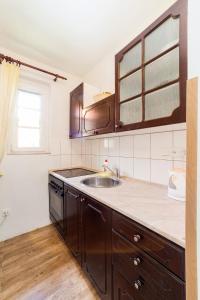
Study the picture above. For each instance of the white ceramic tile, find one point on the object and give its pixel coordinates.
(179, 164)
(142, 146)
(55, 147)
(65, 161)
(179, 145)
(161, 145)
(142, 169)
(179, 126)
(65, 146)
(95, 147)
(103, 146)
(88, 161)
(160, 171)
(126, 166)
(76, 146)
(76, 160)
(95, 162)
(88, 147)
(53, 162)
(113, 146)
(113, 162)
(162, 128)
(126, 146)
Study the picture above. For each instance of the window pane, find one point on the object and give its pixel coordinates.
(131, 111)
(28, 117)
(162, 38)
(28, 138)
(131, 60)
(131, 85)
(162, 103)
(29, 100)
(162, 70)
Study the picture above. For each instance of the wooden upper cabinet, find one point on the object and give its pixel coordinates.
(76, 106)
(99, 117)
(151, 73)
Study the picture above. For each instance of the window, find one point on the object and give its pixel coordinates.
(30, 130)
(151, 74)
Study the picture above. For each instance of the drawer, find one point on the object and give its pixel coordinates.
(161, 249)
(147, 278)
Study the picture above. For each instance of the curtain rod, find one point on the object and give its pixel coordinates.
(10, 59)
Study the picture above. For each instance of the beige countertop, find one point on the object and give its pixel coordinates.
(145, 203)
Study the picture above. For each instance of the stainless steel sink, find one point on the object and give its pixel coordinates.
(101, 182)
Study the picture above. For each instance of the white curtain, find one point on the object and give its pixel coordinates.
(9, 75)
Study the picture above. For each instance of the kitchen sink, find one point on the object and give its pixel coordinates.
(101, 182)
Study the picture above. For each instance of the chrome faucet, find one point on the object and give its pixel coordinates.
(115, 173)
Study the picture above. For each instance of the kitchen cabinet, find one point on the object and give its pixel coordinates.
(97, 245)
(99, 118)
(151, 74)
(72, 200)
(122, 258)
(76, 106)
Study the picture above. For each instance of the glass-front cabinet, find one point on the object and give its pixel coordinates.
(151, 74)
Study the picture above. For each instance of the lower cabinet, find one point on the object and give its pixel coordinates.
(97, 245)
(123, 259)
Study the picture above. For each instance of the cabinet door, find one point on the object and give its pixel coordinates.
(73, 218)
(98, 118)
(122, 289)
(97, 246)
(76, 105)
(151, 74)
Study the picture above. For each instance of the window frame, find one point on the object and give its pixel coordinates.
(179, 9)
(36, 87)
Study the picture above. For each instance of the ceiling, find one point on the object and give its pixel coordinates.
(72, 35)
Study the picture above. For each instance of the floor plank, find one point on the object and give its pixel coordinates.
(38, 266)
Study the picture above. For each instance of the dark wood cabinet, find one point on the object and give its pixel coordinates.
(99, 118)
(123, 259)
(151, 73)
(76, 106)
(72, 201)
(97, 245)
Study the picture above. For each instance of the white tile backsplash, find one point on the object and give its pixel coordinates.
(113, 146)
(142, 146)
(160, 171)
(161, 145)
(126, 166)
(103, 146)
(146, 154)
(65, 146)
(126, 146)
(142, 169)
(76, 147)
(65, 161)
(95, 147)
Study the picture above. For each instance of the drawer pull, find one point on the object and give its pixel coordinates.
(136, 261)
(137, 284)
(136, 238)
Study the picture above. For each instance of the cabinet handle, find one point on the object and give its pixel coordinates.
(137, 284)
(82, 200)
(136, 238)
(136, 261)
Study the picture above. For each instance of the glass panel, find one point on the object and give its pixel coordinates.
(28, 138)
(131, 60)
(162, 38)
(131, 85)
(29, 100)
(131, 111)
(162, 103)
(162, 70)
(28, 117)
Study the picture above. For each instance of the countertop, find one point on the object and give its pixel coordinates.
(145, 203)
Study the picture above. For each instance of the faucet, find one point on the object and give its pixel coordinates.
(115, 173)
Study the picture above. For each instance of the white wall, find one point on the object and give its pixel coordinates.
(23, 188)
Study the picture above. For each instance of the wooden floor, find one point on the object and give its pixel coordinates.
(38, 266)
